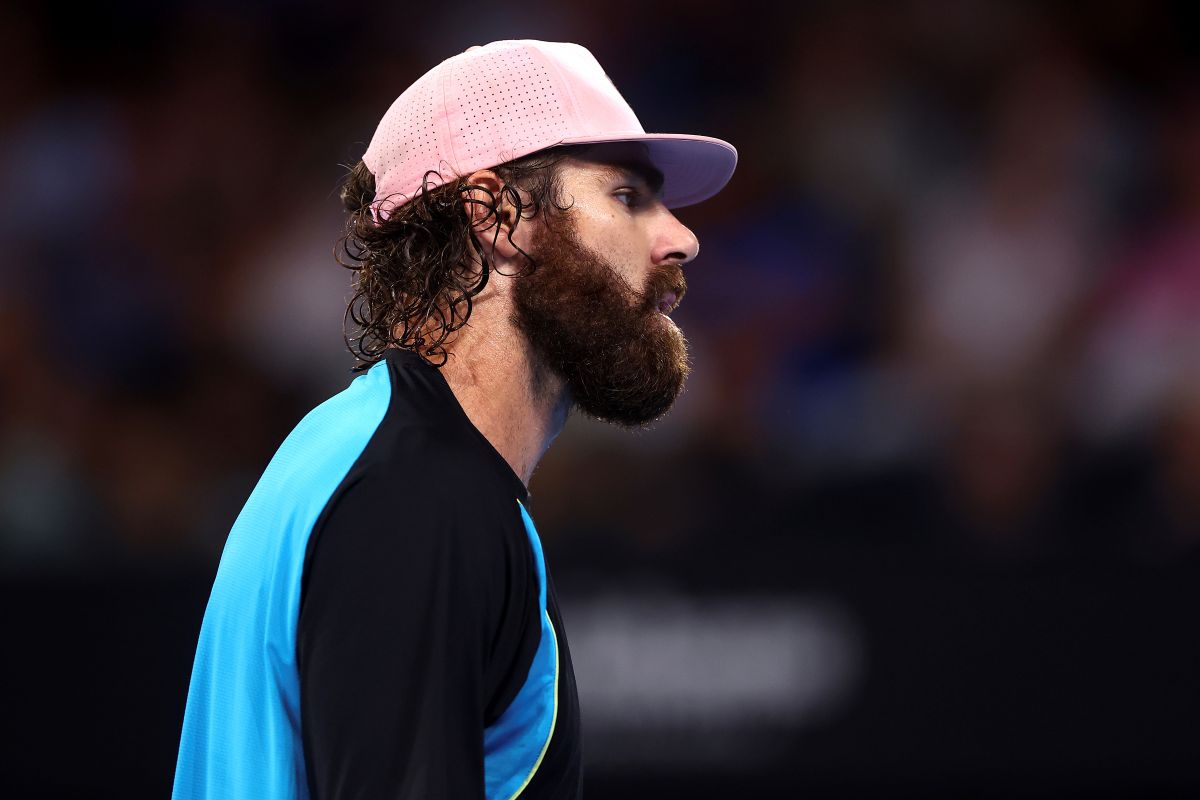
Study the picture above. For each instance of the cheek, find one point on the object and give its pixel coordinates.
(618, 242)
(624, 259)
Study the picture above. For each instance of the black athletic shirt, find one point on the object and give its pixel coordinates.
(420, 617)
(383, 623)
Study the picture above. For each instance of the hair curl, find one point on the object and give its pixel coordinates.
(418, 271)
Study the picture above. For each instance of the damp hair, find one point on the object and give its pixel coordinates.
(416, 273)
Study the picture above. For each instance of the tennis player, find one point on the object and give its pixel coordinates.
(383, 623)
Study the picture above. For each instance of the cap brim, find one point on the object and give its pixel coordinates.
(694, 168)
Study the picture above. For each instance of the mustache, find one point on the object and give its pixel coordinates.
(663, 279)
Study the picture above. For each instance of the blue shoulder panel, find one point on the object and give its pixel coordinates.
(514, 745)
(241, 731)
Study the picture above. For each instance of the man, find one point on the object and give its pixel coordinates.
(383, 623)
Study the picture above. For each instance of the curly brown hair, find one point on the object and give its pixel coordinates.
(418, 271)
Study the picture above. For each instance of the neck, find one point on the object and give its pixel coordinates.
(518, 405)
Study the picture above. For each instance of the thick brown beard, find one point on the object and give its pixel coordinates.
(622, 361)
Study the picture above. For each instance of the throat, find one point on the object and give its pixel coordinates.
(517, 403)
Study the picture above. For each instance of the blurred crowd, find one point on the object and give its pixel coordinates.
(951, 299)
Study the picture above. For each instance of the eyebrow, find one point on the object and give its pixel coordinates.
(647, 173)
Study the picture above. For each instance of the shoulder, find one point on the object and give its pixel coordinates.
(433, 465)
(422, 498)
(403, 537)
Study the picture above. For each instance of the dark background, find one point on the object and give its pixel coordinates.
(926, 521)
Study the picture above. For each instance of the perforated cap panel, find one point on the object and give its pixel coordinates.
(504, 102)
(408, 139)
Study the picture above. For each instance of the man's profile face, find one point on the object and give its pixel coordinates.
(607, 273)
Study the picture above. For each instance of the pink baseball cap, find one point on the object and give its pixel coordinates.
(501, 101)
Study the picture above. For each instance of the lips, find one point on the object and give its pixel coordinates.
(669, 299)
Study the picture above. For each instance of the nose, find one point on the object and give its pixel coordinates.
(675, 242)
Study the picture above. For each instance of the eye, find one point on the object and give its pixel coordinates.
(630, 197)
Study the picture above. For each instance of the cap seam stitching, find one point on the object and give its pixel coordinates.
(449, 132)
(570, 90)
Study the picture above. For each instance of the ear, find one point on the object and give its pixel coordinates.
(478, 202)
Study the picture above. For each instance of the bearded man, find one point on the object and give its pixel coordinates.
(383, 622)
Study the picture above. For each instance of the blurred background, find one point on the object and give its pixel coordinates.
(925, 522)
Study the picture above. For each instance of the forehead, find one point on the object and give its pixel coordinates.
(616, 161)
